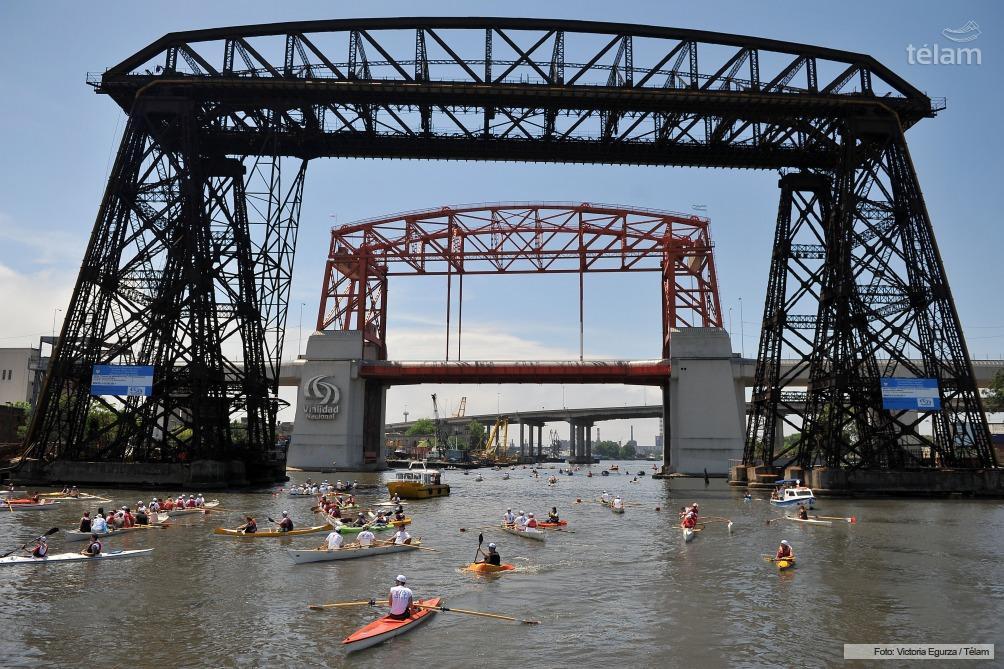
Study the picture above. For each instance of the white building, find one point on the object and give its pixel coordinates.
(18, 373)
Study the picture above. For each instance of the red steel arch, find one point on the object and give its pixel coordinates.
(519, 238)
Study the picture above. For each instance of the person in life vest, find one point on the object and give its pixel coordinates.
(334, 541)
(154, 505)
(605, 497)
(803, 514)
(400, 599)
(784, 551)
(402, 536)
(98, 525)
(689, 521)
(399, 513)
(531, 522)
(41, 548)
(85, 522)
(128, 520)
(365, 538)
(509, 518)
(286, 524)
(396, 499)
(250, 526)
(93, 547)
(360, 520)
(694, 508)
(552, 515)
(168, 504)
(380, 520)
(200, 501)
(191, 503)
(141, 517)
(491, 557)
(74, 492)
(335, 511)
(618, 503)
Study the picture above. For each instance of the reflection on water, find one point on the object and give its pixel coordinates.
(611, 589)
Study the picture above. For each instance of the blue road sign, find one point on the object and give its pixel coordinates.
(910, 394)
(129, 380)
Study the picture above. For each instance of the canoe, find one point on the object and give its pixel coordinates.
(560, 523)
(76, 535)
(385, 628)
(617, 509)
(536, 535)
(348, 553)
(266, 534)
(349, 529)
(73, 557)
(785, 564)
(811, 521)
(29, 506)
(174, 513)
(485, 568)
(391, 504)
(80, 498)
(688, 534)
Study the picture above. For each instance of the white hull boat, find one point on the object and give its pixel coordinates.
(174, 513)
(73, 557)
(76, 535)
(322, 555)
(536, 535)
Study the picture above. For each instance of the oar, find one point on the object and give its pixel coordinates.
(850, 519)
(771, 558)
(11, 508)
(52, 530)
(390, 542)
(321, 607)
(476, 613)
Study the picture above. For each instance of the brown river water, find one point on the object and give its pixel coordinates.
(610, 590)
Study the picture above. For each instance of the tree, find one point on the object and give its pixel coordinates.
(628, 451)
(475, 434)
(995, 395)
(421, 428)
(606, 449)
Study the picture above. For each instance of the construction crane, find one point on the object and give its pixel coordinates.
(496, 448)
(439, 437)
(462, 409)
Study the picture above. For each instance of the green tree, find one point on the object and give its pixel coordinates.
(628, 451)
(421, 428)
(22, 429)
(475, 434)
(606, 449)
(995, 395)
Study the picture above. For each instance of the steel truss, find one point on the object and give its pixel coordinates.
(857, 292)
(523, 238)
(189, 260)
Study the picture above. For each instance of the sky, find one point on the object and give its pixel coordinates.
(57, 140)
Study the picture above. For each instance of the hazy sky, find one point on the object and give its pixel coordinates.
(57, 139)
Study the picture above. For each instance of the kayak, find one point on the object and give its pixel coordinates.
(560, 523)
(391, 504)
(174, 513)
(74, 557)
(688, 534)
(348, 553)
(485, 568)
(536, 535)
(386, 627)
(785, 564)
(76, 535)
(265, 534)
(55, 497)
(28, 505)
(617, 509)
(810, 521)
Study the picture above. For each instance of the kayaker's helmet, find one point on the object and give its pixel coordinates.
(530, 514)
(509, 510)
(338, 530)
(491, 546)
(43, 540)
(521, 512)
(401, 578)
(784, 542)
(285, 513)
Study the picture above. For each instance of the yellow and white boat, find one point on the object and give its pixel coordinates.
(418, 482)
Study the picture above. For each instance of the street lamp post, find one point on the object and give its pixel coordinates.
(299, 340)
(54, 323)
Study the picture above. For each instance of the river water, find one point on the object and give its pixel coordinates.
(611, 590)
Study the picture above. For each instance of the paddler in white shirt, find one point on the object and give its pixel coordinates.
(509, 517)
(402, 536)
(365, 538)
(334, 540)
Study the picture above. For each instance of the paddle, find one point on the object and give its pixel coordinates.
(9, 507)
(476, 613)
(771, 558)
(851, 519)
(52, 530)
(481, 538)
(321, 607)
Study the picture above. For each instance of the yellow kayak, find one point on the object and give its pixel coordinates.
(264, 534)
(785, 564)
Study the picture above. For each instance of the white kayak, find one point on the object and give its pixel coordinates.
(391, 504)
(43, 506)
(174, 513)
(347, 553)
(536, 535)
(76, 535)
(688, 534)
(73, 557)
(810, 521)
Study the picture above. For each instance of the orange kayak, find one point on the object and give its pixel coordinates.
(485, 568)
(560, 523)
(385, 628)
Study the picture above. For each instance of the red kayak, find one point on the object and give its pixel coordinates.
(560, 523)
(385, 628)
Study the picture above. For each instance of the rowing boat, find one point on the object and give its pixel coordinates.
(266, 534)
(688, 534)
(82, 497)
(810, 521)
(348, 552)
(352, 529)
(174, 513)
(30, 506)
(386, 627)
(76, 535)
(391, 504)
(617, 509)
(536, 535)
(560, 523)
(485, 568)
(73, 557)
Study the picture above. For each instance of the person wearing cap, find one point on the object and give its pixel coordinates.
(286, 524)
(141, 517)
(360, 520)
(402, 536)
(492, 556)
(694, 508)
(618, 503)
(399, 513)
(41, 548)
(365, 538)
(784, 551)
(250, 526)
(521, 521)
(605, 497)
(531, 522)
(509, 518)
(154, 505)
(334, 541)
(200, 501)
(98, 524)
(191, 503)
(552, 515)
(689, 521)
(400, 598)
(93, 547)
(128, 520)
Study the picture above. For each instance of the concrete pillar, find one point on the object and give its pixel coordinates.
(540, 443)
(571, 440)
(522, 445)
(589, 443)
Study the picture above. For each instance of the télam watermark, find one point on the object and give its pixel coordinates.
(918, 651)
(949, 54)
